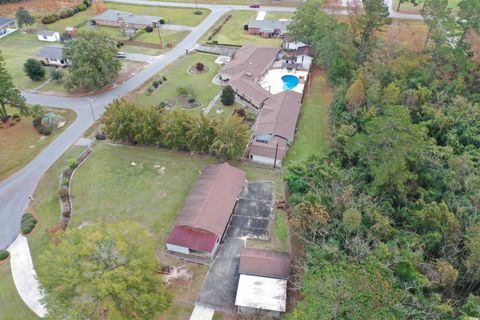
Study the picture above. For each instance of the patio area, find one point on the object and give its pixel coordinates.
(272, 80)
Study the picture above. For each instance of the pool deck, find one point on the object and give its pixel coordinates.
(272, 80)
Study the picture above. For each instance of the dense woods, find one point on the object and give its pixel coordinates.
(390, 217)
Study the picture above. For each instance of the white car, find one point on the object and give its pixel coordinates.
(121, 54)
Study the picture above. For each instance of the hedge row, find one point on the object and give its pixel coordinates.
(66, 13)
(28, 223)
(4, 254)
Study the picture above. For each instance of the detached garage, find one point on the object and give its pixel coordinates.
(201, 223)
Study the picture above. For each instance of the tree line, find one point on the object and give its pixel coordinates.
(390, 217)
(176, 129)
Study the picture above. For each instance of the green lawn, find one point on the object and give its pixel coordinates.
(12, 306)
(177, 76)
(271, 15)
(168, 36)
(408, 7)
(21, 143)
(232, 32)
(313, 130)
(283, 3)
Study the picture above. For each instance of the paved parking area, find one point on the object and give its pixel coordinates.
(251, 218)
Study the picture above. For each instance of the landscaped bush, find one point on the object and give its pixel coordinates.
(16, 117)
(164, 78)
(4, 254)
(63, 193)
(228, 96)
(82, 7)
(199, 66)
(67, 13)
(37, 123)
(198, 12)
(51, 18)
(149, 29)
(28, 223)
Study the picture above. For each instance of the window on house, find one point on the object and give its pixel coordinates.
(45, 37)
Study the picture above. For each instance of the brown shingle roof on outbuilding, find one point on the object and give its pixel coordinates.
(212, 199)
(265, 263)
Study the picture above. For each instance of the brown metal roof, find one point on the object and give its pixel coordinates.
(306, 50)
(212, 199)
(249, 88)
(265, 263)
(251, 59)
(279, 115)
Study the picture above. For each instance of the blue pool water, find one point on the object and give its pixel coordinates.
(289, 82)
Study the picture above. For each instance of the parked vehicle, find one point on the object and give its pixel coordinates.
(254, 6)
(121, 54)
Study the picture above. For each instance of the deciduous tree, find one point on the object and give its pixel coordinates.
(9, 94)
(24, 18)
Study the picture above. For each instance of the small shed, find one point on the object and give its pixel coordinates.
(46, 35)
(7, 26)
(262, 286)
(305, 56)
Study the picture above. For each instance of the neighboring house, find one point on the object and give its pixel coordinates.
(292, 45)
(50, 36)
(269, 28)
(115, 18)
(70, 32)
(201, 223)
(244, 70)
(304, 56)
(7, 26)
(52, 56)
(275, 128)
(262, 286)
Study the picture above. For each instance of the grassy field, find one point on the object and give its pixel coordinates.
(313, 130)
(21, 143)
(12, 306)
(282, 3)
(232, 32)
(177, 76)
(271, 15)
(408, 7)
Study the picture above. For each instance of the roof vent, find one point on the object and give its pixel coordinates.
(248, 73)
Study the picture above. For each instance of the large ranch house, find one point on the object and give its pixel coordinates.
(201, 223)
(121, 19)
(268, 28)
(271, 80)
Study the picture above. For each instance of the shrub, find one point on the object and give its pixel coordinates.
(148, 29)
(156, 83)
(67, 214)
(82, 7)
(182, 91)
(28, 223)
(228, 96)
(63, 193)
(162, 21)
(199, 66)
(150, 90)
(34, 69)
(198, 13)
(4, 254)
(66, 13)
(215, 42)
(65, 182)
(56, 74)
(51, 18)
(191, 99)
(164, 78)
(245, 27)
(16, 116)
(250, 116)
(240, 112)
(26, 230)
(72, 163)
(88, 3)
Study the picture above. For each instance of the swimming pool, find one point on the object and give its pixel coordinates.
(289, 81)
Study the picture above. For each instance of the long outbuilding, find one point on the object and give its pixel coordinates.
(202, 221)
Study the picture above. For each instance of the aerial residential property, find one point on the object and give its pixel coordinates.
(220, 160)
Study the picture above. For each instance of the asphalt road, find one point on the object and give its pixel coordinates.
(15, 190)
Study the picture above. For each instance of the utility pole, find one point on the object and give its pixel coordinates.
(275, 161)
(159, 36)
(93, 115)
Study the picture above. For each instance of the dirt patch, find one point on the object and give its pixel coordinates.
(37, 7)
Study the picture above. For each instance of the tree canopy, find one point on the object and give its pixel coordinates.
(102, 271)
(9, 94)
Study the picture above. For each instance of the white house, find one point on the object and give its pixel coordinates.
(304, 57)
(292, 45)
(7, 26)
(50, 36)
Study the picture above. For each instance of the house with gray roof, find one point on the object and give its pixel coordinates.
(7, 26)
(46, 35)
(269, 28)
(126, 20)
(52, 56)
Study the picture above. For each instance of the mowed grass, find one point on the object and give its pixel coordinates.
(313, 135)
(21, 143)
(177, 77)
(12, 306)
(408, 7)
(269, 3)
(232, 32)
(272, 15)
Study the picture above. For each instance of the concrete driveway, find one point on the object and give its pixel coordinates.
(220, 286)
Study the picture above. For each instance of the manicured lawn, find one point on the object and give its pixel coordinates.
(283, 3)
(313, 131)
(408, 7)
(177, 77)
(180, 16)
(21, 143)
(232, 32)
(16, 49)
(168, 36)
(12, 306)
(278, 15)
